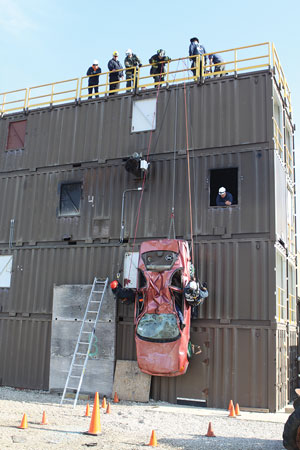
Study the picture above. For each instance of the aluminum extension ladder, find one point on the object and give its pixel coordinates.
(85, 340)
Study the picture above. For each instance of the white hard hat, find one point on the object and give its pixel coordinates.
(95, 62)
(129, 52)
(193, 285)
(222, 190)
(115, 53)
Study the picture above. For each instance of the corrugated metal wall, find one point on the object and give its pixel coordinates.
(220, 114)
(244, 351)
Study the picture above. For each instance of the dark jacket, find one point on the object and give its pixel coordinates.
(196, 49)
(93, 80)
(114, 64)
(131, 61)
(158, 63)
(221, 201)
(127, 296)
(216, 59)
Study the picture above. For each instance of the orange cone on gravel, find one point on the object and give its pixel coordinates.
(95, 427)
(108, 409)
(104, 405)
(87, 411)
(210, 432)
(231, 412)
(153, 441)
(230, 405)
(237, 410)
(24, 424)
(116, 398)
(44, 419)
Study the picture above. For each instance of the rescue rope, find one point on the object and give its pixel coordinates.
(189, 171)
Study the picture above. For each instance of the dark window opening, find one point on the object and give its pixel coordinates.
(142, 280)
(70, 195)
(16, 135)
(227, 178)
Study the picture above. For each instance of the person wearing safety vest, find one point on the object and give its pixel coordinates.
(158, 62)
(131, 60)
(93, 73)
(116, 74)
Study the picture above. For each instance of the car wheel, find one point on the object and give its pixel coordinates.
(291, 431)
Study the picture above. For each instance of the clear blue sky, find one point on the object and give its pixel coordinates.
(45, 41)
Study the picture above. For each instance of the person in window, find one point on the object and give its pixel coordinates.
(224, 198)
(158, 62)
(116, 74)
(196, 49)
(94, 79)
(217, 59)
(127, 296)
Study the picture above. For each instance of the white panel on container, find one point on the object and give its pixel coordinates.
(130, 273)
(5, 270)
(144, 115)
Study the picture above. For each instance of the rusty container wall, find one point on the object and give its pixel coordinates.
(244, 350)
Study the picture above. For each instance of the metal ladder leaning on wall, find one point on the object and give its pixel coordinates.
(85, 340)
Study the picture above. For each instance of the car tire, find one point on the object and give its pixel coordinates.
(290, 431)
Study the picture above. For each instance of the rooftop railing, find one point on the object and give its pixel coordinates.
(236, 60)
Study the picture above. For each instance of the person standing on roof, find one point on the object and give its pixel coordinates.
(93, 74)
(196, 49)
(116, 74)
(158, 62)
(131, 60)
(219, 61)
(224, 198)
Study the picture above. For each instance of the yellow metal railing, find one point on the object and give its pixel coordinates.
(235, 63)
(292, 308)
(13, 101)
(281, 303)
(291, 238)
(278, 139)
(289, 162)
(178, 70)
(47, 94)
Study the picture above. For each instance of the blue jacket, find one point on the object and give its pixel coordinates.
(196, 49)
(216, 59)
(115, 65)
(95, 79)
(221, 201)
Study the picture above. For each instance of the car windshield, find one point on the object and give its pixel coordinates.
(158, 327)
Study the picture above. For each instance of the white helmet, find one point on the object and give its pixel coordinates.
(222, 190)
(193, 285)
(129, 52)
(95, 62)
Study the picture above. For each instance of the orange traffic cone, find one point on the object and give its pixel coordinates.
(24, 425)
(231, 412)
(87, 411)
(108, 409)
(95, 427)
(116, 398)
(104, 405)
(153, 441)
(230, 405)
(44, 419)
(210, 432)
(237, 410)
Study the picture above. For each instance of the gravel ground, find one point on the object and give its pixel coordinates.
(129, 425)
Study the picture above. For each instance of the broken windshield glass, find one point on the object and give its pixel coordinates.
(158, 327)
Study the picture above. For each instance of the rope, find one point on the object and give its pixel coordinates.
(172, 222)
(189, 171)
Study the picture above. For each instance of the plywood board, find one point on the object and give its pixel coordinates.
(130, 383)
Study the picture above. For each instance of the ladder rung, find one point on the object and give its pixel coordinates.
(87, 332)
(86, 343)
(74, 376)
(94, 312)
(82, 354)
(73, 388)
(97, 292)
(78, 365)
(95, 301)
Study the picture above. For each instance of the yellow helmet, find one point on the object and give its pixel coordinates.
(115, 53)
